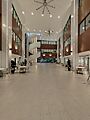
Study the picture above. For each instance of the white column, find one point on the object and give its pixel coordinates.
(9, 52)
(58, 60)
(61, 49)
(74, 33)
(6, 32)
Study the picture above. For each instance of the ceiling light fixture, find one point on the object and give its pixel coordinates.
(50, 16)
(32, 13)
(23, 12)
(42, 15)
(45, 5)
(58, 17)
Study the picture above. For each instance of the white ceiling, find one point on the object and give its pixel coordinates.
(38, 22)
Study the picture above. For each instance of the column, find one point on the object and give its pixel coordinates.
(6, 32)
(74, 35)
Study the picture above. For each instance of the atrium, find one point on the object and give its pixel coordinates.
(44, 59)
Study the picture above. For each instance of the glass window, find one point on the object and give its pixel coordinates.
(82, 27)
(19, 41)
(88, 21)
(14, 37)
(13, 13)
(49, 50)
(48, 42)
(12, 34)
(15, 16)
(18, 23)
(51, 43)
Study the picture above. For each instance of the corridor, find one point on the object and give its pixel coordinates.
(47, 92)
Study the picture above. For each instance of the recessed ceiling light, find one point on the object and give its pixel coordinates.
(50, 16)
(23, 12)
(34, 30)
(42, 14)
(56, 32)
(58, 17)
(32, 13)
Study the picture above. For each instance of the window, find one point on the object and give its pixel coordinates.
(14, 14)
(82, 27)
(88, 22)
(13, 35)
(85, 24)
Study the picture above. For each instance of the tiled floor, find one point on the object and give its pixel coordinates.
(48, 92)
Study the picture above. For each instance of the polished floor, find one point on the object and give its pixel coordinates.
(47, 92)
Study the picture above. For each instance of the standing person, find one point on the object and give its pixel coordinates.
(69, 65)
(13, 65)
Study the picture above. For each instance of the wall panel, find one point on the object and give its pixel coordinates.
(84, 41)
(84, 37)
(84, 9)
(0, 24)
